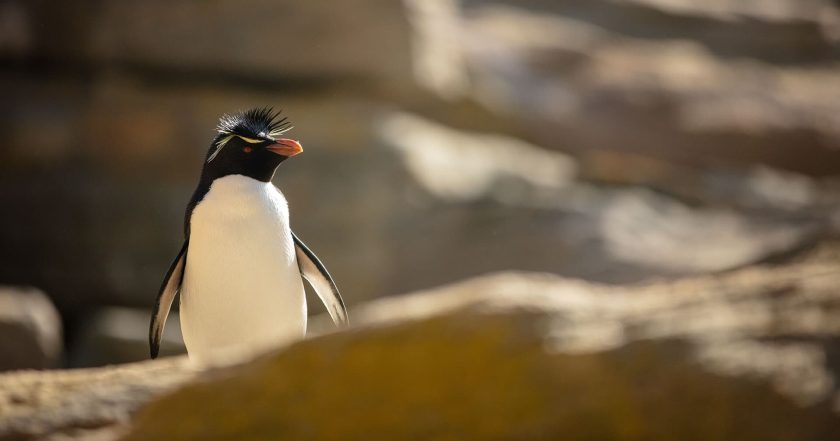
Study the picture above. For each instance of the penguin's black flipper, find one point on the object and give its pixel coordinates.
(317, 275)
(168, 289)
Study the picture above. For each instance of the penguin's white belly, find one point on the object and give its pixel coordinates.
(242, 291)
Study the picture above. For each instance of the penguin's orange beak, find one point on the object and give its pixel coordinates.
(286, 147)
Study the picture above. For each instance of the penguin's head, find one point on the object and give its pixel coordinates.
(249, 144)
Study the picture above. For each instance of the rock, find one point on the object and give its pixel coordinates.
(816, 13)
(492, 202)
(779, 323)
(120, 335)
(702, 85)
(261, 41)
(744, 355)
(514, 205)
(639, 128)
(122, 203)
(605, 138)
(30, 330)
(476, 378)
(82, 403)
(527, 356)
(462, 166)
(524, 200)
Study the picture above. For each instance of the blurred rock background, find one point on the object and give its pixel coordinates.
(616, 141)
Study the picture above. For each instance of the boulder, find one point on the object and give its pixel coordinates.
(117, 160)
(265, 42)
(110, 119)
(779, 323)
(120, 335)
(477, 378)
(527, 356)
(492, 202)
(82, 404)
(747, 354)
(30, 330)
(711, 84)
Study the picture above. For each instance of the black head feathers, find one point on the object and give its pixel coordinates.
(262, 123)
(249, 143)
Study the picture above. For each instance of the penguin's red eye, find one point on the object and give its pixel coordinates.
(247, 149)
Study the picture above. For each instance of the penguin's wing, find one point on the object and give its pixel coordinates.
(317, 275)
(168, 289)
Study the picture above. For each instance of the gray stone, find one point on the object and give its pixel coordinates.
(116, 335)
(691, 84)
(122, 218)
(264, 41)
(30, 330)
(610, 234)
(366, 194)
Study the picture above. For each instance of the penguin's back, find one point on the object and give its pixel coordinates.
(242, 290)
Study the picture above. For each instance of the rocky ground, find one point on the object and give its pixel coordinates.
(747, 354)
(630, 208)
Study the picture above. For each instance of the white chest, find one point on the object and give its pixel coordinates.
(242, 289)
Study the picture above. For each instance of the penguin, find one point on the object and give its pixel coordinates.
(239, 271)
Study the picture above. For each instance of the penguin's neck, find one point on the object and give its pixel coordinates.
(244, 202)
(242, 194)
(232, 187)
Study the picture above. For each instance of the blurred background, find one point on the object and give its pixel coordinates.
(616, 141)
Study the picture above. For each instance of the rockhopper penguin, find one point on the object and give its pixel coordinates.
(239, 269)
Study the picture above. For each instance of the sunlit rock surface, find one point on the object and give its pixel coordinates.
(594, 231)
(780, 323)
(83, 403)
(708, 83)
(748, 354)
(529, 356)
(477, 378)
